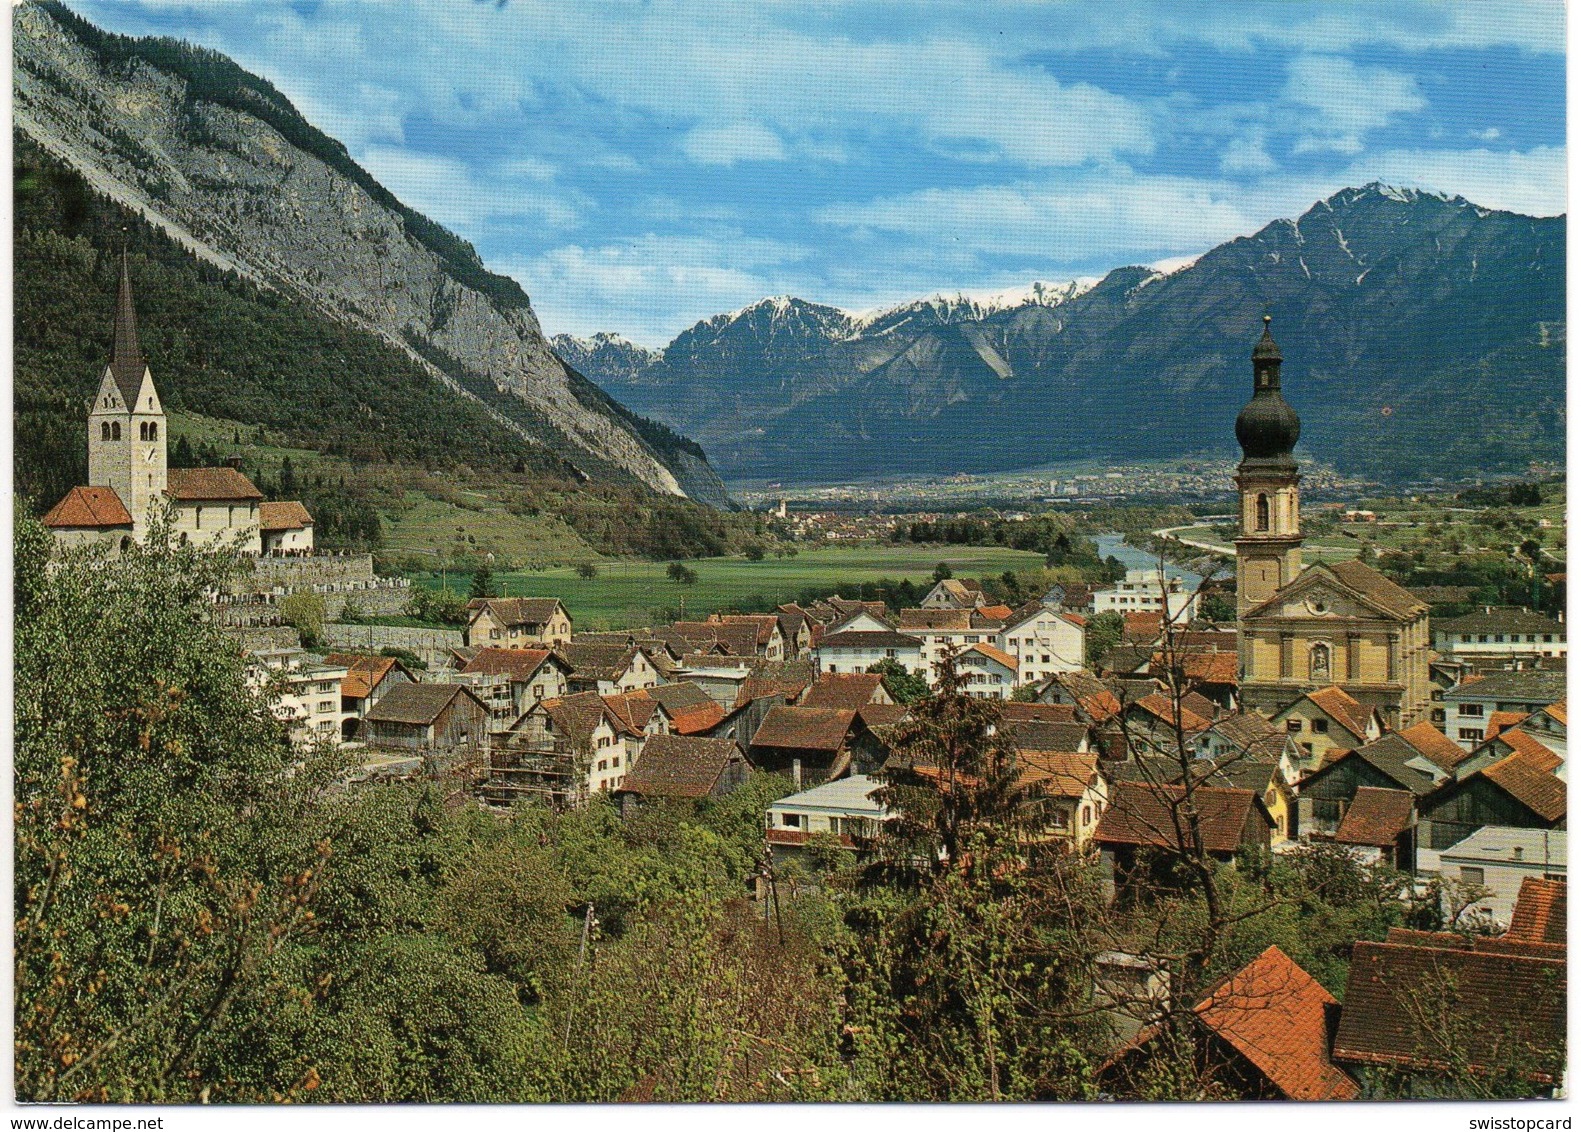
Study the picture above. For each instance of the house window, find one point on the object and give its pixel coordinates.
(603, 764)
(1470, 875)
(494, 634)
(1470, 733)
(326, 705)
(1086, 815)
(1320, 726)
(790, 821)
(1293, 726)
(1473, 711)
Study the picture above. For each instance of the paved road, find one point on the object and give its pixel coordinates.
(1210, 547)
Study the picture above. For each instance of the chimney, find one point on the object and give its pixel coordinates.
(234, 462)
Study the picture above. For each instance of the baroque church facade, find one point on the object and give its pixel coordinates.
(130, 481)
(1302, 629)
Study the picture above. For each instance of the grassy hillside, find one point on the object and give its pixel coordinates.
(626, 594)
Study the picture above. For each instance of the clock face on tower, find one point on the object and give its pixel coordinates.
(148, 457)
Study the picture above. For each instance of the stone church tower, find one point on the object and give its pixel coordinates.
(1268, 551)
(126, 423)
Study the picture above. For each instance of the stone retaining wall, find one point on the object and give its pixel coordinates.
(430, 644)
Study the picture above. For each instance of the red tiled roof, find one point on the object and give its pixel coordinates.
(1343, 708)
(205, 484)
(1539, 915)
(363, 673)
(1143, 813)
(1060, 774)
(997, 612)
(997, 655)
(804, 728)
(1145, 627)
(1404, 1003)
(286, 516)
(633, 709)
(1532, 749)
(1275, 1015)
(1537, 790)
(1499, 720)
(1439, 748)
(848, 690)
(1159, 707)
(89, 507)
(1558, 711)
(1376, 817)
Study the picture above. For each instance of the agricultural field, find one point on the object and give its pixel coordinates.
(628, 594)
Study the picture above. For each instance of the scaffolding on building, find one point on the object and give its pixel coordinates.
(543, 770)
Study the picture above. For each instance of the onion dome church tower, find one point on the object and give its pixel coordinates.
(1268, 551)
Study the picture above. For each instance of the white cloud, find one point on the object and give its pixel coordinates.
(1532, 183)
(1247, 154)
(1349, 100)
(732, 142)
(633, 286)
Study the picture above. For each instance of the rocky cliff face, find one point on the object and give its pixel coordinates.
(224, 164)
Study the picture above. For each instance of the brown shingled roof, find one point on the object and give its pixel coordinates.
(518, 664)
(201, 485)
(847, 690)
(1059, 774)
(1012, 711)
(416, 704)
(289, 515)
(804, 728)
(680, 766)
(1376, 817)
(363, 673)
(1438, 748)
(89, 507)
(510, 611)
(1144, 814)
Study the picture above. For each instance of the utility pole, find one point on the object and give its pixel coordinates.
(589, 922)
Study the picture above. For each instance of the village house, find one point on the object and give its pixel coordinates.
(1517, 791)
(1263, 1033)
(757, 637)
(1328, 718)
(769, 641)
(308, 688)
(944, 632)
(1499, 860)
(367, 678)
(1471, 704)
(1073, 789)
(843, 811)
(858, 650)
(813, 745)
(1211, 674)
(427, 718)
(954, 593)
(1094, 698)
(986, 672)
(691, 710)
(1379, 826)
(1147, 816)
(517, 623)
(796, 627)
(1247, 735)
(852, 691)
(1044, 642)
(579, 742)
(1500, 632)
(684, 767)
(1148, 591)
(1389, 763)
(608, 669)
(526, 676)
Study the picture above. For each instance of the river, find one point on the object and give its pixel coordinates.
(1135, 558)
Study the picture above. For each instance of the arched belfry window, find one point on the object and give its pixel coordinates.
(104, 430)
(1262, 512)
(115, 430)
(1318, 662)
(153, 430)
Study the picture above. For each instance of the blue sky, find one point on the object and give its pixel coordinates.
(639, 166)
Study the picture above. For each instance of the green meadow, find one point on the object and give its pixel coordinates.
(627, 594)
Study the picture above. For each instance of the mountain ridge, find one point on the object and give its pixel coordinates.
(1384, 299)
